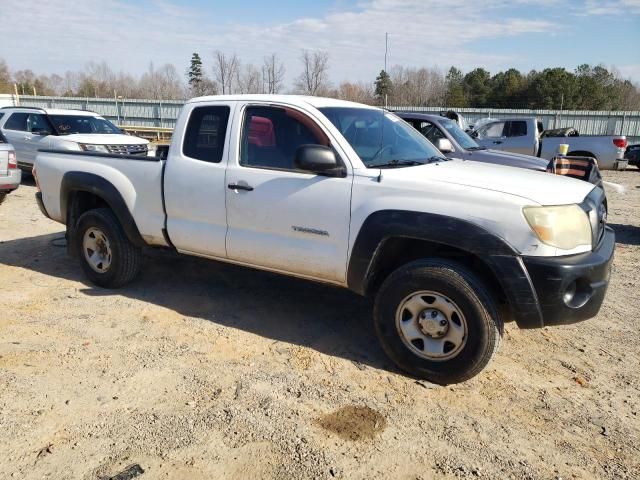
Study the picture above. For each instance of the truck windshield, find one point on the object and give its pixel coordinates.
(380, 138)
(68, 124)
(464, 140)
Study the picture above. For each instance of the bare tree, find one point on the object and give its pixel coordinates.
(314, 79)
(273, 74)
(361, 92)
(225, 70)
(249, 80)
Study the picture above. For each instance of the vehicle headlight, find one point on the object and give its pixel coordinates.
(87, 147)
(563, 226)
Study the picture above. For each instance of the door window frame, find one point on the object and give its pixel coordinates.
(331, 141)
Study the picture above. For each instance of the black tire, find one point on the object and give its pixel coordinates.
(126, 258)
(3, 195)
(484, 326)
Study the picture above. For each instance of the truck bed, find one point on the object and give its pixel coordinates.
(144, 200)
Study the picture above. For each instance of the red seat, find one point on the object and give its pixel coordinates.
(261, 132)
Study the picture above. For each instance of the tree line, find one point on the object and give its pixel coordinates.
(586, 88)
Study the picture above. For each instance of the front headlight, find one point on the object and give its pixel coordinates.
(564, 226)
(87, 147)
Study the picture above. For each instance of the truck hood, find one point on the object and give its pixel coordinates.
(510, 159)
(539, 187)
(101, 139)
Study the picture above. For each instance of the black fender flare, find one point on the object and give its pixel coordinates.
(503, 260)
(73, 182)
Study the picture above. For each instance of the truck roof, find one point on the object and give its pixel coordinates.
(317, 102)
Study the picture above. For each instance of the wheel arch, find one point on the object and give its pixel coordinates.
(83, 191)
(389, 239)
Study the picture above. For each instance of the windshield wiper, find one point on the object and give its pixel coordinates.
(407, 163)
(476, 148)
(396, 163)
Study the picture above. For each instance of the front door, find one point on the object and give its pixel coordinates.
(279, 217)
(492, 135)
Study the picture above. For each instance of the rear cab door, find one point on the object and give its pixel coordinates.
(518, 139)
(194, 178)
(281, 218)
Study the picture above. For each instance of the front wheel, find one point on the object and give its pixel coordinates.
(107, 256)
(437, 321)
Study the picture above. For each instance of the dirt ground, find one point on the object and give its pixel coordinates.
(201, 370)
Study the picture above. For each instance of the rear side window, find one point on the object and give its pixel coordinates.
(206, 131)
(517, 128)
(17, 121)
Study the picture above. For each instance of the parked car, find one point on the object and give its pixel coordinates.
(353, 196)
(10, 175)
(30, 129)
(452, 141)
(632, 154)
(526, 135)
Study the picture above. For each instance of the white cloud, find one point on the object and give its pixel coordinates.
(55, 35)
(631, 72)
(611, 7)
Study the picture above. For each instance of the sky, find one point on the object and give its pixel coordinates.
(54, 36)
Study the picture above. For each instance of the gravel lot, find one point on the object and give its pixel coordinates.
(204, 370)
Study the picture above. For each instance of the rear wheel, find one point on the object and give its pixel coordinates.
(3, 195)
(437, 321)
(107, 256)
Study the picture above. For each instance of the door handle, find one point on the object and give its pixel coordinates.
(26, 138)
(497, 142)
(239, 186)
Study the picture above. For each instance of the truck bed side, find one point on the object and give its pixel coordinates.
(137, 181)
(599, 146)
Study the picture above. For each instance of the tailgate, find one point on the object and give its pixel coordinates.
(4, 161)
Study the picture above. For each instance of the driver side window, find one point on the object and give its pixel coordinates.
(492, 130)
(430, 131)
(271, 136)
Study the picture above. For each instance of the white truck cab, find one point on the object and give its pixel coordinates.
(30, 129)
(351, 195)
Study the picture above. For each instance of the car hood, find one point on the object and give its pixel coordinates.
(510, 159)
(101, 139)
(539, 187)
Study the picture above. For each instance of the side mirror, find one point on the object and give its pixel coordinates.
(318, 159)
(40, 131)
(473, 134)
(444, 145)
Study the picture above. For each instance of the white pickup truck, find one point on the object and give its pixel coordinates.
(350, 195)
(526, 135)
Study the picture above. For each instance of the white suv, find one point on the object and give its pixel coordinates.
(30, 129)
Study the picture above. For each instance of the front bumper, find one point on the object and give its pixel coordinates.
(572, 288)
(11, 181)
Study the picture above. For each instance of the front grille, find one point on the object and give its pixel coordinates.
(595, 204)
(139, 149)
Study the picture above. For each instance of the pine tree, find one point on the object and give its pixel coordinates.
(195, 74)
(383, 85)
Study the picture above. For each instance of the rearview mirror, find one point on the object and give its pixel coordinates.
(318, 159)
(444, 145)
